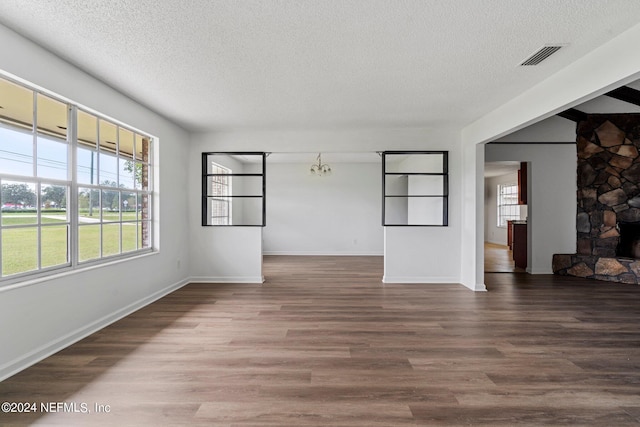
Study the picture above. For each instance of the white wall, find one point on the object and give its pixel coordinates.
(49, 314)
(493, 233)
(472, 212)
(553, 129)
(227, 255)
(421, 255)
(330, 215)
(551, 221)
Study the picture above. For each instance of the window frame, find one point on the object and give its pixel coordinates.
(37, 132)
(141, 222)
(223, 173)
(445, 186)
(205, 189)
(499, 205)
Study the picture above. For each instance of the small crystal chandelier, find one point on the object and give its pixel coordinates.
(320, 169)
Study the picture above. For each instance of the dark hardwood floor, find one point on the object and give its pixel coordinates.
(323, 342)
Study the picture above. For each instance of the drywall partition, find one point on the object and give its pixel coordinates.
(337, 214)
(433, 253)
(551, 130)
(227, 255)
(425, 254)
(420, 255)
(551, 218)
(42, 316)
(472, 218)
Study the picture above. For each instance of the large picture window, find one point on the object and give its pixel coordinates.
(233, 189)
(415, 188)
(75, 187)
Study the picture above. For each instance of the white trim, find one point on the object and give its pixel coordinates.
(479, 287)
(227, 279)
(541, 271)
(23, 362)
(421, 279)
(314, 253)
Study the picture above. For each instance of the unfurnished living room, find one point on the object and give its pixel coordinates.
(323, 213)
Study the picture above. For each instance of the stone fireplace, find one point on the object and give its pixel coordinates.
(629, 243)
(608, 200)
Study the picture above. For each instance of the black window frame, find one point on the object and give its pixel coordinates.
(206, 196)
(445, 190)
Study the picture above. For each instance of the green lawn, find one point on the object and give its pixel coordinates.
(19, 245)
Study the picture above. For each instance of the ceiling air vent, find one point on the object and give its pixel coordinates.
(541, 54)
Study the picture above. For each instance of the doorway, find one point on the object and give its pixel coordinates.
(504, 214)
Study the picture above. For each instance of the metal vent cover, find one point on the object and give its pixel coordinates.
(541, 54)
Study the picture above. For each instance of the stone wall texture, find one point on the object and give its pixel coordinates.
(608, 178)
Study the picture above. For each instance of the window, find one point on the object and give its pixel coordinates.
(113, 189)
(508, 208)
(75, 187)
(220, 206)
(233, 189)
(415, 188)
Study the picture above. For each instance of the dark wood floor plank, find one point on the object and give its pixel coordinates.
(324, 342)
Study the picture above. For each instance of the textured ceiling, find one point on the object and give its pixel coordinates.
(223, 64)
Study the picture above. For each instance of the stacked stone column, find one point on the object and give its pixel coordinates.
(608, 178)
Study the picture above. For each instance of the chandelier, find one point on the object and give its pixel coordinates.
(320, 169)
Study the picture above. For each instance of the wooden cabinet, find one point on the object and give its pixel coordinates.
(522, 184)
(520, 244)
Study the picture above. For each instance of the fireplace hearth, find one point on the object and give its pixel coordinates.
(629, 244)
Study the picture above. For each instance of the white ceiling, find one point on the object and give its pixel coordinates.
(230, 64)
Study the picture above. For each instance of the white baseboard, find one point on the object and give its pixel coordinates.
(479, 287)
(545, 271)
(13, 367)
(420, 279)
(313, 253)
(227, 279)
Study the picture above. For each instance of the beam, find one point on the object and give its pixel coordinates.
(626, 94)
(573, 115)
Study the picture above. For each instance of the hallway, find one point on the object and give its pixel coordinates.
(499, 259)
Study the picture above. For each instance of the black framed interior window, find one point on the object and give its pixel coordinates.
(415, 188)
(233, 189)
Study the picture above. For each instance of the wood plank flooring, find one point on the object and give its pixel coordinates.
(324, 343)
(499, 259)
